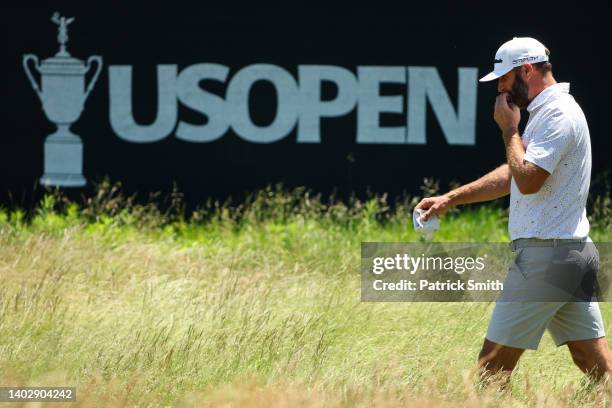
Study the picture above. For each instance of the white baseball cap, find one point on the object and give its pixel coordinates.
(514, 53)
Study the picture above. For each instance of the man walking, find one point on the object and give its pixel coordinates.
(547, 175)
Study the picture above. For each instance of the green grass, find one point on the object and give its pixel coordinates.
(255, 305)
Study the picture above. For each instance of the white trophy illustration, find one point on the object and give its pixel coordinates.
(63, 94)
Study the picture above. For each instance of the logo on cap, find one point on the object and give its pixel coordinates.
(521, 60)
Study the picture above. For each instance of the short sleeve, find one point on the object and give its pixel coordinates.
(550, 141)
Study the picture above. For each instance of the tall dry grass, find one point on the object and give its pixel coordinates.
(249, 305)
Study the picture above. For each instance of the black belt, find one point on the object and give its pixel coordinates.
(536, 242)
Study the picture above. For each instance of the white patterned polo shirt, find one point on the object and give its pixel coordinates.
(556, 138)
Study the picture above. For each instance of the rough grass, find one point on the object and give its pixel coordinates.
(250, 305)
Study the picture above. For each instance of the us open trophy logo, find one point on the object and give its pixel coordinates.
(63, 95)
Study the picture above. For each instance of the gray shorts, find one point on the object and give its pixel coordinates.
(520, 321)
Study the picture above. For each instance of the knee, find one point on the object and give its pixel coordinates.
(485, 356)
(580, 360)
(493, 361)
(592, 365)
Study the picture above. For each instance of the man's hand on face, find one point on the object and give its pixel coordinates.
(434, 206)
(507, 115)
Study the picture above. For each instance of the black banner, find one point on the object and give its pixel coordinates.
(226, 101)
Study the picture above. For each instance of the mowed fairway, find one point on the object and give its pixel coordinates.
(256, 306)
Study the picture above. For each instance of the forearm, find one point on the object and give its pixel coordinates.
(492, 185)
(515, 152)
(527, 176)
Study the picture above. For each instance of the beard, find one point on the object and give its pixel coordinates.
(519, 93)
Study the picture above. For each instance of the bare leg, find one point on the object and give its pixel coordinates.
(496, 363)
(592, 357)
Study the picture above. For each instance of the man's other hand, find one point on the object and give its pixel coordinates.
(434, 206)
